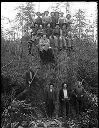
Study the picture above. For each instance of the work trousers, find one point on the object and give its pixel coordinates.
(60, 42)
(79, 105)
(64, 108)
(50, 107)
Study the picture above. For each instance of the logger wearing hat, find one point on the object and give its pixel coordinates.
(62, 19)
(56, 35)
(38, 13)
(68, 16)
(68, 22)
(43, 20)
(53, 20)
(46, 13)
(46, 19)
(56, 17)
(50, 100)
(38, 20)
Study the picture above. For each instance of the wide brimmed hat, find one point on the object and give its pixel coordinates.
(64, 23)
(68, 16)
(32, 26)
(46, 11)
(57, 12)
(38, 13)
(52, 12)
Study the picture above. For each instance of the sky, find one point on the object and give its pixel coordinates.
(7, 9)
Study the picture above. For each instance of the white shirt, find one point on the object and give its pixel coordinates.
(65, 93)
(31, 75)
(51, 90)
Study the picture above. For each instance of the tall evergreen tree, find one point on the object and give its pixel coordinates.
(79, 23)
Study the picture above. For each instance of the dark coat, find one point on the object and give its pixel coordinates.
(61, 96)
(38, 20)
(53, 22)
(56, 31)
(49, 31)
(50, 96)
(79, 90)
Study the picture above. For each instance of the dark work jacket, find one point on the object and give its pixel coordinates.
(61, 95)
(38, 20)
(56, 19)
(49, 31)
(79, 91)
(50, 96)
(53, 22)
(53, 19)
(56, 31)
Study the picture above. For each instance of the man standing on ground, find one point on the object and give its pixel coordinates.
(64, 100)
(50, 98)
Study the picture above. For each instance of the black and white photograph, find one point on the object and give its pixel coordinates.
(49, 64)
